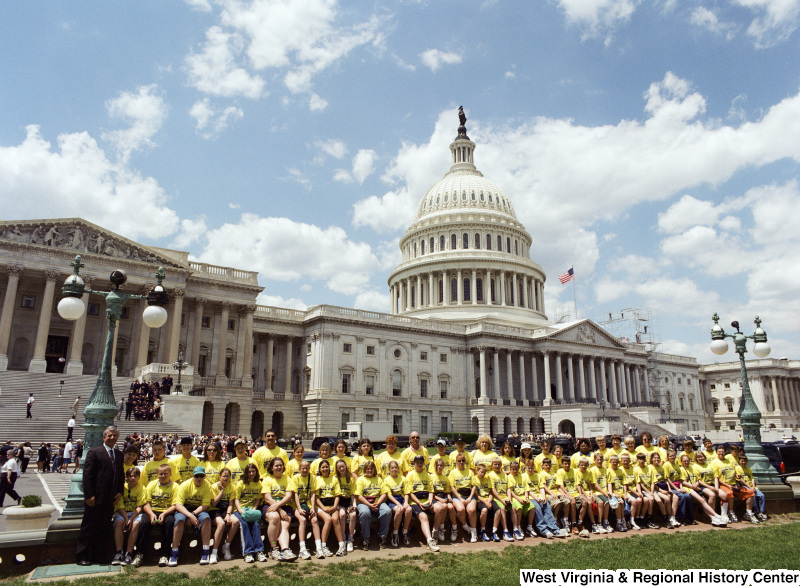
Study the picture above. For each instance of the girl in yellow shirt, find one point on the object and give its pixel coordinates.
(364, 455)
(347, 503)
(661, 493)
(213, 462)
(340, 447)
(484, 454)
(248, 495)
(483, 497)
(328, 495)
(277, 510)
(418, 489)
(371, 502)
(293, 466)
(302, 487)
(507, 455)
(324, 456)
(463, 495)
(395, 498)
(690, 485)
(221, 513)
(441, 449)
(442, 503)
(705, 476)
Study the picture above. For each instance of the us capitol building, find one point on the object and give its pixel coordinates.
(465, 346)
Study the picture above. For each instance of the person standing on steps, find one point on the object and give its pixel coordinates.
(75, 407)
(30, 403)
(70, 428)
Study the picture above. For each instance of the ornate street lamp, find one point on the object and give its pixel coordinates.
(749, 415)
(101, 408)
(180, 365)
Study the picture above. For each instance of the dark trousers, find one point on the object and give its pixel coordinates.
(29, 416)
(166, 534)
(7, 487)
(69, 433)
(96, 537)
(23, 464)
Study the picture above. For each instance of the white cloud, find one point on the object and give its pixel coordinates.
(509, 75)
(316, 103)
(215, 70)
(278, 301)
(199, 5)
(775, 23)
(598, 17)
(707, 19)
(209, 121)
(688, 212)
(77, 179)
(373, 300)
(332, 147)
(364, 164)
(284, 250)
(191, 231)
(144, 110)
(342, 176)
(434, 58)
(297, 175)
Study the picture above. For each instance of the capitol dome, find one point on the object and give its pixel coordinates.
(466, 256)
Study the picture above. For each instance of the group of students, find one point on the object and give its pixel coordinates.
(491, 497)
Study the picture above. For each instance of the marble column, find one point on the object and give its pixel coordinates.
(546, 369)
(482, 398)
(582, 377)
(474, 285)
(75, 361)
(38, 362)
(570, 394)
(509, 376)
(522, 391)
(502, 287)
(9, 302)
(603, 394)
(525, 292)
(221, 343)
(459, 289)
(419, 296)
(612, 367)
(487, 288)
(496, 361)
(432, 301)
(514, 290)
(534, 379)
(269, 367)
(247, 377)
(559, 378)
(197, 335)
(287, 387)
(175, 334)
(445, 289)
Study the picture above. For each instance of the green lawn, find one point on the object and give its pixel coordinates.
(768, 547)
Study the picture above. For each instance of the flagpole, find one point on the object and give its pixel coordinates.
(574, 295)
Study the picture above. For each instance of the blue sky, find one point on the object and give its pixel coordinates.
(652, 144)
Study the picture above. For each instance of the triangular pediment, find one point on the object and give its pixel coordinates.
(82, 237)
(585, 332)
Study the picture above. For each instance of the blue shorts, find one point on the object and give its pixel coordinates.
(118, 517)
(399, 499)
(201, 518)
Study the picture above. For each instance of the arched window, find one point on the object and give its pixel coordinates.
(453, 290)
(479, 289)
(441, 291)
(465, 241)
(691, 402)
(668, 399)
(508, 245)
(680, 403)
(491, 291)
(488, 242)
(397, 383)
(499, 244)
(433, 241)
(467, 290)
(422, 247)
(415, 250)
(477, 241)
(441, 243)
(516, 248)
(453, 242)
(413, 299)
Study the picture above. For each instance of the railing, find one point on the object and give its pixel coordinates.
(198, 392)
(258, 394)
(492, 401)
(297, 397)
(278, 396)
(206, 381)
(507, 402)
(643, 404)
(227, 273)
(473, 401)
(158, 368)
(234, 383)
(612, 418)
(536, 403)
(399, 399)
(520, 403)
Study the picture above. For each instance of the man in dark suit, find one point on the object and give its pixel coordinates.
(103, 483)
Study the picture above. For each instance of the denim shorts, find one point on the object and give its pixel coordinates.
(118, 517)
(201, 517)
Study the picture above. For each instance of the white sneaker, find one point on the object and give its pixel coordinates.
(634, 526)
(261, 556)
(226, 552)
(275, 554)
(163, 561)
(473, 535)
(453, 533)
(328, 553)
(304, 555)
(320, 554)
(249, 559)
(212, 558)
(719, 521)
(288, 555)
(350, 546)
(341, 551)
(440, 535)
(432, 545)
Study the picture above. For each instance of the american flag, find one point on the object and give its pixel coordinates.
(567, 277)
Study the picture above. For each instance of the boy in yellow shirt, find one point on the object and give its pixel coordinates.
(128, 517)
(567, 485)
(745, 475)
(191, 506)
(150, 469)
(483, 495)
(184, 463)
(160, 509)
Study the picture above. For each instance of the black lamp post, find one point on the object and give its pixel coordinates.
(180, 365)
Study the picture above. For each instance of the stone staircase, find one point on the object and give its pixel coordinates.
(51, 412)
(642, 425)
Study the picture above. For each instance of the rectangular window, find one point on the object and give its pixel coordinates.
(423, 425)
(183, 317)
(442, 357)
(423, 356)
(205, 322)
(369, 417)
(370, 384)
(228, 366)
(345, 420)
(231, 324)
(124, 314)
(731, 426)
(298, 350)
(201, 365)
(346, 383)
(423, 388)
(93, 309)
(444, 424)
(715, 406)
(370, 350)
(28, 301)
(730, 406)
(308, 349)
(397, 424)
(727, 385)
(347, 348)
(308, 382)
(443, 389)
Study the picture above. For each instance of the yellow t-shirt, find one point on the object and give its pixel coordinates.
(228, 494)
(685, 453)
(479, 457)
(248, 494)
(315, 465)
(710, 455)
(518, 485)
(599, 477)
(293, 467)
(647, 451)
(263, 455)
(448, 466)
(131, 498)
(327, 488)
(506, 460)
(346, 487)
(688, 475)
(383, 460)
(615, 480)
(705, 473)
(575, 458)
(606, 455)
(548, 480)
(419, 483)
(275, 487)
(644, 476)
(237, 466)
(537, 461)
(302, 487)
(161, 497)
(441, 484)
(150, 471)
(673, 472)
(532, 480)
(467, 457)
(212, 470)
(568, 481)
(584, 480)
(184, 468)
(484, 486)
(191, 496)
(461, 481)
(358, 463)
(746, 475)
(370, 488)
(630, 476)
(347, 460)
(499, 483)
(409, 454)
(125, 468)
(393, 486)
(725, 471)
(660, 473)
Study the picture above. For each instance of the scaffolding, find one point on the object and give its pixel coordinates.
(639, 326)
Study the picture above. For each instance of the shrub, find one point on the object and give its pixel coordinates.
(31, 500)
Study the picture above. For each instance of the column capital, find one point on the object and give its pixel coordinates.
(51, 275)
(359, 339)
(179, 292)
(15, 270)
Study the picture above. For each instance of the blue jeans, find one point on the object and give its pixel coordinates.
(685, 505)
(365, 516)
(761, 502)
(251, 535)
(543, 518)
